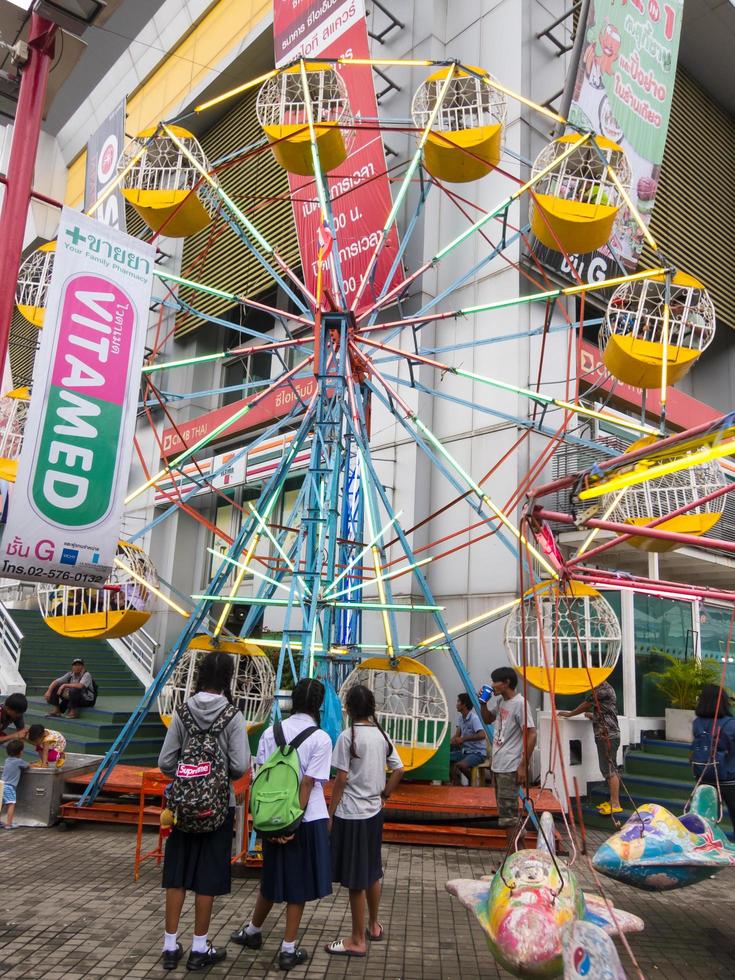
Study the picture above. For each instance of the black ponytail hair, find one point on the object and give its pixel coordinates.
(360, 705)
(215, 673)
(307, 698)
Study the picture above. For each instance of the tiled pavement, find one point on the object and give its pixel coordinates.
(69, 910)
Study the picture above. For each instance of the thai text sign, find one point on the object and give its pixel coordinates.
(66, 509)
(359, 190)
(623, 90)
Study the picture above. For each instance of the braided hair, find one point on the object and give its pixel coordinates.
(360, 705)
(307, 698)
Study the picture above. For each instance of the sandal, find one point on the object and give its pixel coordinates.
(606, 809)
(337, 948)
(375, 939)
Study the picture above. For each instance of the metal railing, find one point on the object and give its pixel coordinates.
(138, 653)
(11, 637)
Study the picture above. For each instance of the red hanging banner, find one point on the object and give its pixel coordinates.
(359, 189)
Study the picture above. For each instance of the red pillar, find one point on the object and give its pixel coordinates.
(21, 166)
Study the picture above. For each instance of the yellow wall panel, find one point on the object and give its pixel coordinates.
(189, 64)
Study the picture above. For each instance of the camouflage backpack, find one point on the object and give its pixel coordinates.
(200, 791)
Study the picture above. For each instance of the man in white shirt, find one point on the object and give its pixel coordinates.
(513, 743)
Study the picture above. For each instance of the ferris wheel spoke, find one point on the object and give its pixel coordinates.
(406, 183)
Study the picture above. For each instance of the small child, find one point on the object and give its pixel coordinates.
(12, 771)
(49, 744)
(361, 757)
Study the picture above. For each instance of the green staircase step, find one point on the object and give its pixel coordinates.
(660, 766)
(46, 655)
(659, 746)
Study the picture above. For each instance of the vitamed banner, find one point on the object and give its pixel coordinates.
(359, 189)
(66, 508)
(623, 90)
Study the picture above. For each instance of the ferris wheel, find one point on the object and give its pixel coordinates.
(340, 568)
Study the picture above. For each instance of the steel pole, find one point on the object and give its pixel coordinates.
(21, 166)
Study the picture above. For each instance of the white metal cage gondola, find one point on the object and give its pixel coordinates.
(576, 201)
(283, 114)
(566, 639)
(122, 606)
(410, 705)
(634, 336)
(253, 683)
(164, 184)
(465, 141)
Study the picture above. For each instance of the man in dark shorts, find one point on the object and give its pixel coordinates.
(514, 740)
(601, 707)
(11, 713)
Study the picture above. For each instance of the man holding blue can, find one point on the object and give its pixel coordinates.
(467, 747)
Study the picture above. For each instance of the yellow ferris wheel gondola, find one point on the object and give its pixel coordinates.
(121, 607)
(653, 499)
(162, 183)
(34, 277)
(410, 705)
(253, 682)
(466, 138)
(634, 335)
(576, 201)
(283, 115)
(565, 639)
(11, 435)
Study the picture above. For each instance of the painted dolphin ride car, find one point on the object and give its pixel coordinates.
(524, 907)
(657, 851)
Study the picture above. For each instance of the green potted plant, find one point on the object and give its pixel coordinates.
(681, 683)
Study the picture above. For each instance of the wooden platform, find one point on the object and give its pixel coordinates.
(417, 813)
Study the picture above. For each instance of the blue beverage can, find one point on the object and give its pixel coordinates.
(485, 693)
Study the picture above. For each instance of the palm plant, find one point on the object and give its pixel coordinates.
(682, 681)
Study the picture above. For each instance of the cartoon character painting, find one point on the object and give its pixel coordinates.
(601, 53)
(524, 907)
(657, 851)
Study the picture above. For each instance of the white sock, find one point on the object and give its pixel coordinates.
(251, 930)
(199, 944)
(288, 947)
(169, 942)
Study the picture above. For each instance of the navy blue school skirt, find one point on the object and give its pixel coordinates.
(300, 871)
(200, 863)
(357, 861)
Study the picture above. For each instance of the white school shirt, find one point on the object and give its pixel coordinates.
(365, 773)
(315, 759)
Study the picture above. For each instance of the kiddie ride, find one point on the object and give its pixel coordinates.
(526, 905)
(657, 851)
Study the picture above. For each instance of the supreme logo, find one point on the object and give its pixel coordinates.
(193, 772)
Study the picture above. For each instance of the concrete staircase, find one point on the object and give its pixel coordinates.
(657, 772)
(46, 655)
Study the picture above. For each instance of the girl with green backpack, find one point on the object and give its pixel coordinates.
(296, 861)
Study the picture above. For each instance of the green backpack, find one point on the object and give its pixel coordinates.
(274, 796)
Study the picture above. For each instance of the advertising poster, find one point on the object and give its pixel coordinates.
(359, 189)
(623, 89)
(103, 151)
(66, 507)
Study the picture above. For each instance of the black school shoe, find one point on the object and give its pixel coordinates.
(287, 961)
(171, 957)
(255, 941)
(203, 961)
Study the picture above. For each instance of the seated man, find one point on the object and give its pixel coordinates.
(11, 713)
(468, 747)
(72, 690)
